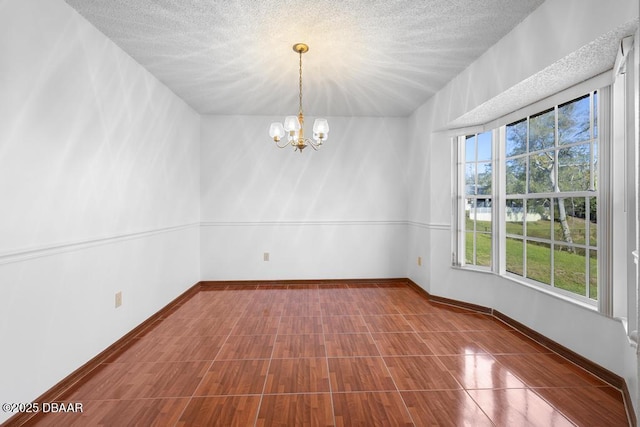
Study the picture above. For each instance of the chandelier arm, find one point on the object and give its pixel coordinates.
(286, 143)
(313, 145)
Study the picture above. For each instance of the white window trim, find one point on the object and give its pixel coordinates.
(605, 203)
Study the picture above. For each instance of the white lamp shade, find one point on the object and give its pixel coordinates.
(321, 126)
(276, 131)
(291, 123)
(320, 130)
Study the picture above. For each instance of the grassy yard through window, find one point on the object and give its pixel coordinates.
(542, 229)
(483, 249)
(569, 272)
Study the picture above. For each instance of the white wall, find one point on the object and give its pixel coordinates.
(99, 193)
(419, 183)
(541, 39)
(336, 213)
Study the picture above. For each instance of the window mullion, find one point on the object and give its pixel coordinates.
(587, 242)
(556, 198)
(499, 193)
(458, 202)
(605, 279)
(592, 141)
(474, 254)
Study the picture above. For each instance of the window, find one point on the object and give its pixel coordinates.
(551, 201)
(478, 167)
(536, 220)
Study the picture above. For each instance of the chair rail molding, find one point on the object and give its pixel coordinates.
(62, 247)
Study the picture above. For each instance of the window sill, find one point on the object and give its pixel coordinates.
(473, 268)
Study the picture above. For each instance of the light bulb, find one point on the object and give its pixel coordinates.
(291, 123)
(276, 131)
(321, 126)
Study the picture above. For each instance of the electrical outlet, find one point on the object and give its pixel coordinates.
(265, 256)
(118, 299)
(419, 261)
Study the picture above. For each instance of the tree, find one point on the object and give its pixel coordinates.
(553, 168)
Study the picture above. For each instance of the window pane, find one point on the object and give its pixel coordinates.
(569, 269)
(484, 178)
(516, 173)
(541, 172)
(539, 218)
(478, 232)
(470, 209)
(483, 215)
(483, 248)
(539, 262)
(514, 216)
(468, 251)
(516, 138)
(569, 220)
(484, 146)
(592, 202)
(542, 131)
(593, 275)
(470, 149)
(573, 121)
(470, 178)
(515, 258)
(574, 171)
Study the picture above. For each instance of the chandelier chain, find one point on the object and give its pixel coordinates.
(300, 96)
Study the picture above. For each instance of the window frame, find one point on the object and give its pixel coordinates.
(553, 197)
(499, 197)
(461, 181)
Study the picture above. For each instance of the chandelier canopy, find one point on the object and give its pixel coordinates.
(293, 126)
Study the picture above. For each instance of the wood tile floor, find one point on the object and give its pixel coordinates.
(335, 355)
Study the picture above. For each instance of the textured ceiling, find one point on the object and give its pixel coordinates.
(366, 58)
(592, 59)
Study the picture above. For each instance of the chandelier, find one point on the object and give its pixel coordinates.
(293, 126)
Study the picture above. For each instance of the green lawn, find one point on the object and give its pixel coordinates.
(542, 229)
(483, 249)
(569, 267)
